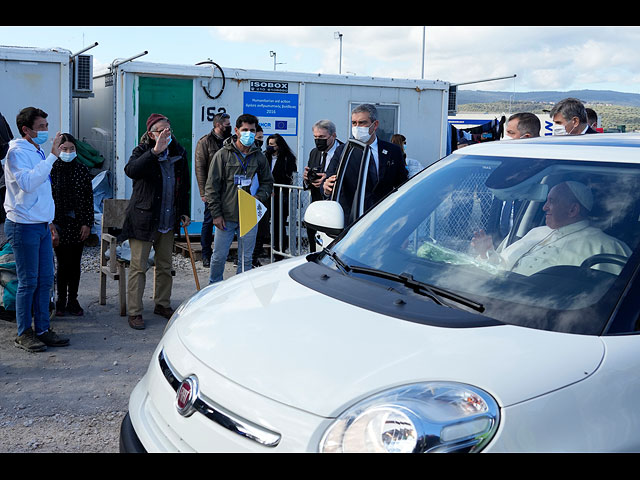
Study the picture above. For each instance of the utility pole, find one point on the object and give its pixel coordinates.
(338, 36)
(273, 54)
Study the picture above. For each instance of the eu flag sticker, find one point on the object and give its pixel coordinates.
(281, 125)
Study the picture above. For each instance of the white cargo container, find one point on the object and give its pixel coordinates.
(285, 102)
(35, 77)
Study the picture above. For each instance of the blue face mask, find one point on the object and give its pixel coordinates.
(43, 136)
(247, 138)
(67, 156)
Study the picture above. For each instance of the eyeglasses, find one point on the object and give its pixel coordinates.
(160, 131)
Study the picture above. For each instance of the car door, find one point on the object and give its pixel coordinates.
(352, 180)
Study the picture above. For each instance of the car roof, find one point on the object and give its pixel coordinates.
(601, 147)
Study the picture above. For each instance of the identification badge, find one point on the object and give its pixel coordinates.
(241, 180)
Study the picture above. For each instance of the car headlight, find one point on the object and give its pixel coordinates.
(419, 418)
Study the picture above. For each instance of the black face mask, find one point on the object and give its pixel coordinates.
(321, 144)
(259, 143)
(226, 132)
(270, 150)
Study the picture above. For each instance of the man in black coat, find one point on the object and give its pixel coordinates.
(387, 170)
(325, 137)
(159, 201)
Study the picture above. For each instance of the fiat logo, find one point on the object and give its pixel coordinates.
(186, 396)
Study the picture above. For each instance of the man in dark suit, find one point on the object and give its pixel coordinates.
(325, 137)
(387, 168)
(569, 117)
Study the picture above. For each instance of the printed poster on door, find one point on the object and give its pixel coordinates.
(276, 112)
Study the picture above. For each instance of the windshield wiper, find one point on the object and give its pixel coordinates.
(432, 291)
(338, 261)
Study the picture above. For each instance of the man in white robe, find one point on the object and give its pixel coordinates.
(566, 239)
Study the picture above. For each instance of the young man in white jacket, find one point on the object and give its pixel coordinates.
(30, 211)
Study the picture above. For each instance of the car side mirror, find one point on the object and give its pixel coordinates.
(325, 216)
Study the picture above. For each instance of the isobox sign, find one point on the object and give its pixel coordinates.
(268, 86)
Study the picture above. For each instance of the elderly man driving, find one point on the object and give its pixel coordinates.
(566, 239)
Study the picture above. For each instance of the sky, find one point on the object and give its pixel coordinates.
(542, 57)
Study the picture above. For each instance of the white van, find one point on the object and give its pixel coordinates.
(489, 304)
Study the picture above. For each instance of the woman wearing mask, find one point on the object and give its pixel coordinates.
(73, 198)
(283, 165)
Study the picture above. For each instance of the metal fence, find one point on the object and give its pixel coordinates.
(298, 200)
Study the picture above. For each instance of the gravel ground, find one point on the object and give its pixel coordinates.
(73, 399)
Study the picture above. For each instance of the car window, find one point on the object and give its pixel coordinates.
(502, 231)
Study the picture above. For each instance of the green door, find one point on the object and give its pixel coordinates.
(172, 97)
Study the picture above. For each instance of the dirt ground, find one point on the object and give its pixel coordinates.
(72, 399)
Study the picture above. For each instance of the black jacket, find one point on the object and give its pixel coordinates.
(143, 213)
(315, 160)
(392, 174)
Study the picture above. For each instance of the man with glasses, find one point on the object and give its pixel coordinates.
(206, 148)
(159, 201)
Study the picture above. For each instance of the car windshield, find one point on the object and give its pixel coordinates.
(541, 243)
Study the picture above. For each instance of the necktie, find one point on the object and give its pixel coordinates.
(373, 171)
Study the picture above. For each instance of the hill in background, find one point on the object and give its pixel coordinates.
(616, 110)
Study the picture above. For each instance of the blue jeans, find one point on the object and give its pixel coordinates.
(221, 243)
(206, 233)
(33, 253)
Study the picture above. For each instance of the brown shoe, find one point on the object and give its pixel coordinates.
(165, 312)
(136, 322)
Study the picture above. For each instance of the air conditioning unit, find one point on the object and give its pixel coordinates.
(83, 73)
(453, 99)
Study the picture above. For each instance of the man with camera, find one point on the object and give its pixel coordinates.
(324, 134)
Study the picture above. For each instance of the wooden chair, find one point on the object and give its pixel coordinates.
(112, 219)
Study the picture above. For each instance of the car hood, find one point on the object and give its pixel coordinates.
(274, 336)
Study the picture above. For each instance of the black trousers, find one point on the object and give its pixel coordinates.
(68, 272)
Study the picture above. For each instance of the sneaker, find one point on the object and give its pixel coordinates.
(52, 339)
(136, 322)
(29, 342)
(165, 312)
(206, 262)
(74, 308)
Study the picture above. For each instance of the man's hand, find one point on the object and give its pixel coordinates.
(186, 221)
(219, 223)
(162, 142)
(55, 147)
(482, 243)
(329, 184)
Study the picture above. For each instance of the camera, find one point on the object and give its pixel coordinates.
(313, 174)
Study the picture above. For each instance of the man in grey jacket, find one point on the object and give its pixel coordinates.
(239, 164)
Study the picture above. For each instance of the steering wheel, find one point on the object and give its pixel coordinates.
(604, 258)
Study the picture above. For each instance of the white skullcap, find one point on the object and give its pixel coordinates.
(582, 193)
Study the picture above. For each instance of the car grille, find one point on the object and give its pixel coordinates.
(219, 415)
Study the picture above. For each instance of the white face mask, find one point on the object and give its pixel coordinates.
(361, 133)
(557, 130)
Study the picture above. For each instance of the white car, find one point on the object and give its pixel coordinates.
(413, 332)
